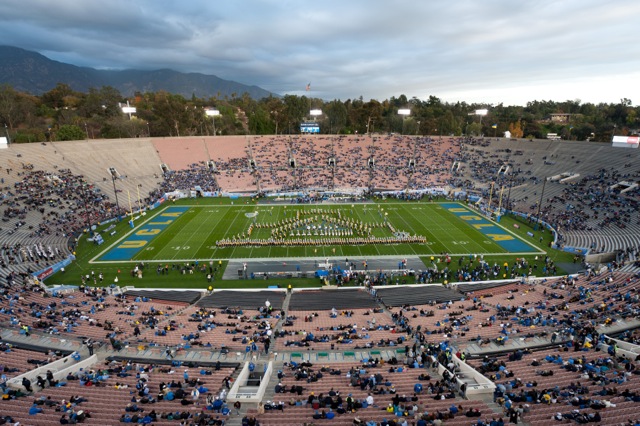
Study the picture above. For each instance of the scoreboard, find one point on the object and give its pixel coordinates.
(309, 127)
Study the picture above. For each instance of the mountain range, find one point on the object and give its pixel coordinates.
(31, 72)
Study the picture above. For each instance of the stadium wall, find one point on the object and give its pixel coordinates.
(57, 368)
(600, 258)
(482, 385)
(630, 350)
(569, 249)
(236, 395)
(42, 274)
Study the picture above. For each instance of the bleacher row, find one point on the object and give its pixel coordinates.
(469, 317)
(586, 211)
(475, 318)
(107, 399)
(248, 164)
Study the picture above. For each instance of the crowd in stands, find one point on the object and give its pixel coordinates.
(589, 202)
(137, 393)
(66, 202)
(366, 328)
(198, 175)
(397, 391)
(579, 378)
(295, 163)
(564, 310)
(438, 155)
(401, 162)
(227, 329)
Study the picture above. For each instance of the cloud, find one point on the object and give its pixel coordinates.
(492, 51)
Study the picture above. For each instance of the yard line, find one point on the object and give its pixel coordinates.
(238, 211)
(432, 234)
(203, 222)
(446, 216)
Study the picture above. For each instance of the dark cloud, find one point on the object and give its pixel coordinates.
(494, 51)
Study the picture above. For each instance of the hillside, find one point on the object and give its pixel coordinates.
(31, 72)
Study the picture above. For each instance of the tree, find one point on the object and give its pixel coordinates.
(29, 117)
(449, 124)
(60, 96)
(171, 114)
(70, 132)
(373, 111)
(474, 129)
(516, 129)
(583, 131)
(16, 108)
(101, 103)
(274, 107)
(295, 109)
(336, 117)
(532, 130)
(260, 122)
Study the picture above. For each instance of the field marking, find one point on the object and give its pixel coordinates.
(319, 257)
(433, 235)
(128, 234)
(202, 223)
(362, 220)
(204, 241)
(445, 214)
(442, 223)
(170, 244)
(438, 226)
(505, 229)
(358, 209)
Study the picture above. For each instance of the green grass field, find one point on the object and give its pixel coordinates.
(194, 233)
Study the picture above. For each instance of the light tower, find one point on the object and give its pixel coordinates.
(213, 113)
(404, 113)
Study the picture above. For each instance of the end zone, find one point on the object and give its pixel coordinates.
(497, 234)
(133, 243)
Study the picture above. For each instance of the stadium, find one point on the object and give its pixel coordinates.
(376, 279)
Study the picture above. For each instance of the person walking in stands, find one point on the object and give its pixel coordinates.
(227, 382)
(27, 384)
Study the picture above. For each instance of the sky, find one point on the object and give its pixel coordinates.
(491, 51)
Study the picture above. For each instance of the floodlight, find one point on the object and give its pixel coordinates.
(129, 110)
(404, 111)
(482, 111)
(213, 113)
(315, 112)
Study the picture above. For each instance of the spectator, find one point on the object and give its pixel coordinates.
(35, 410)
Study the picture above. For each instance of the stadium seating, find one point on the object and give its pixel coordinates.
(42, 208)
(579, 208)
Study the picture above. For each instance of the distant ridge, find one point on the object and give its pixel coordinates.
(31, 72)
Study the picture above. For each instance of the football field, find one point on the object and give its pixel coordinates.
(187, 232)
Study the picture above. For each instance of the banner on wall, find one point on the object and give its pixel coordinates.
(50, 270)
